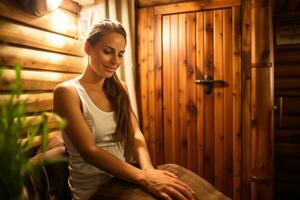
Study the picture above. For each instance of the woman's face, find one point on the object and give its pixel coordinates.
(107, 54)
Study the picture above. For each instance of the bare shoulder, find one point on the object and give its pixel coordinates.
(65, 92)
(65, 89)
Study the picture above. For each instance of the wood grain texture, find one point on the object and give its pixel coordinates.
(35, 102)
(209, 99)
(59, 21)
(43, 60)
(31, 37)
(219, 131)
(34, 80)
(199, 74)
(182, 96)
(195, 6)
(237, 97)
(246, 99)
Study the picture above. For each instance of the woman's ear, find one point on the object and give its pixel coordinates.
(87, 48)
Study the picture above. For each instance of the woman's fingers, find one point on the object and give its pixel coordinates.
(170, 174)
(165, 196)
(185, 190)
(177, 194)
(186, 186)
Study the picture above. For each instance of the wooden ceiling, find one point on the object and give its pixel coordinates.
(147, 3)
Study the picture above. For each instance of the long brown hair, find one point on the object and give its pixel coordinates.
(113, 88)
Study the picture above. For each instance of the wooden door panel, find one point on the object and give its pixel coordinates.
(197, 130)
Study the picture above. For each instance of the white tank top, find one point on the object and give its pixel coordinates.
(84, 178)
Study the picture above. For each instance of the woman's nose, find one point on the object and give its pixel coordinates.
(115, 59)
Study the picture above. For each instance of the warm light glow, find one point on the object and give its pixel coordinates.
(60, 20)
(53, 4)
(56, 40)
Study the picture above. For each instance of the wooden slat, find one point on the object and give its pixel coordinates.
(218, 100)
(228, 103)
(167, 112)
(59, 21)
(151, 87)
(182, 97)
(287, 135)
(35, 120)
(288, 149)
(209, 99)
(287, 83)
(287, 56)
(148, 3)
(174, 88)
(31, 37)
(34, 59)
(285, 163)
(143, 77)
(158, 89)
(199, 92)
(34, 102)
(37, 140)
(288, 121)
(195, 6)
(191, 91)
(246, 99)
(287, 70)
(287, 93)
(237, 79)
(34, 80)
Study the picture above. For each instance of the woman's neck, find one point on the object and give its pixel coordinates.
(89, 77)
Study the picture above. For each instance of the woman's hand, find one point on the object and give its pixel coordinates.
(167, 185)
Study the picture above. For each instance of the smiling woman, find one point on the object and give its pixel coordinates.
(101, 125)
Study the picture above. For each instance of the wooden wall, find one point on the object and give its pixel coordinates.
(48, 50)
(287, 118)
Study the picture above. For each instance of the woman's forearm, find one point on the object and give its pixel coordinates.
(140, 151)
(106, 161)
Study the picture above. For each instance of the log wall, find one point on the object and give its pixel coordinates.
(47, 48)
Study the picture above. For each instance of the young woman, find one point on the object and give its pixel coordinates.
(100, 124)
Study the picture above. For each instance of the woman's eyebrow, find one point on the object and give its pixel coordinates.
(114, 48)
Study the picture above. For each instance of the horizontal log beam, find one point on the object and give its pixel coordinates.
(35, 59)
(35, 102)
(59, 21)
(31, 37)
(34, 80)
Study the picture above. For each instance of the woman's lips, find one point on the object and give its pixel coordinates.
(111, 69)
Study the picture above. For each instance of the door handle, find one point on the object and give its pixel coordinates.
(208, 82)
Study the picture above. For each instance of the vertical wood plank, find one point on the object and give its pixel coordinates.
(209, 98)
(218, 99)
(151, 87)
(237, 137)
(158, 91)
(200, 92)
(246, 99)
(174, 88)
(191, 91)
(182, 65)
(228, 102)
(167, 112)
(143, 69)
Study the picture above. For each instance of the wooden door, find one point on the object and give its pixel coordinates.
(183, 123)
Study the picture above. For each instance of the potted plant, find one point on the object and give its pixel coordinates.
(16, 139)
